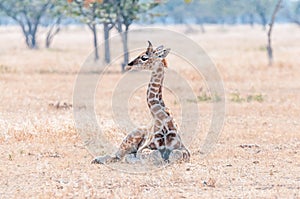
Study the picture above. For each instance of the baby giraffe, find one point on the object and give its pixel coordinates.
(163, 136)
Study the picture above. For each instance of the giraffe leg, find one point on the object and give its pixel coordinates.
(186, 155)
(179, 155)
(148, 144)
(129, 145)
(104, 159)
(132, 142)
(155, 158)
(144, 146)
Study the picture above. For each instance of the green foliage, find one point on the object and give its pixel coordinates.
(217, 11)
(293, 11)
(28, 14)
(206, 97)
(25, 8)
(262, 48)
(238, 98)
(255, 97)
(4, 69)
(109, 11)
(57, 9)
(131, 10)
(91, 14)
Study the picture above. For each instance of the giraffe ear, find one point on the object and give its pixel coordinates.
(159, 48)
(149, 49)
(163, 54)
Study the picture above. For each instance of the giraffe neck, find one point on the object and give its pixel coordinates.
(154, 92)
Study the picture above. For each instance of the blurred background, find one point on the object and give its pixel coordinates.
(40, 21)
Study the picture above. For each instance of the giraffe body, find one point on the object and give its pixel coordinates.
(164, 135)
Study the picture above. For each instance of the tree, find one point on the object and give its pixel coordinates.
(217, 11)
(93, 13)
(269, 45)
(292, 11)
(87, 13)
(110, 13)
(263, 8)
(261, 11)
(203, 14)
(27, 14)
(174, 10)
(109, 9)
(2, 15)
(128, 11)
(53, 19)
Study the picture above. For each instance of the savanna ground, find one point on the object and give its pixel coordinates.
(257, 153)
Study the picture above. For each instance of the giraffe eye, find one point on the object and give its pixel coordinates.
(144, 57)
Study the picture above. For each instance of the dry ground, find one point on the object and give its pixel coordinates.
(257, 154)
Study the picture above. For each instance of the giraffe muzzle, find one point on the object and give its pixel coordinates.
(128, 68)
(165, 153)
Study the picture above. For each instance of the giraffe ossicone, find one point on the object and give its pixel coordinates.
(163, 137)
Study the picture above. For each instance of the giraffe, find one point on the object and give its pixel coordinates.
(163, 136)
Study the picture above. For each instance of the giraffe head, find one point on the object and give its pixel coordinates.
(150, 59)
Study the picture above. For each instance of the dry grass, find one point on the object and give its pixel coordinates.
(257, 155)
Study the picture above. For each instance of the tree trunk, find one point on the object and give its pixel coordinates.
(30, 36)
(54, 29)
(292, 18)
(33, 40)
(202, 28)
(251, 20)
(125, 48)
(263, 20)
(199, 21)
(27, 39)
(297, 22)
(94, 30)
(269, 45)
(106, 30)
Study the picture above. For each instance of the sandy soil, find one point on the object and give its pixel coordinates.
(257, 154)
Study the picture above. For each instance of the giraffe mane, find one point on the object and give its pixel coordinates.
(165, 63)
